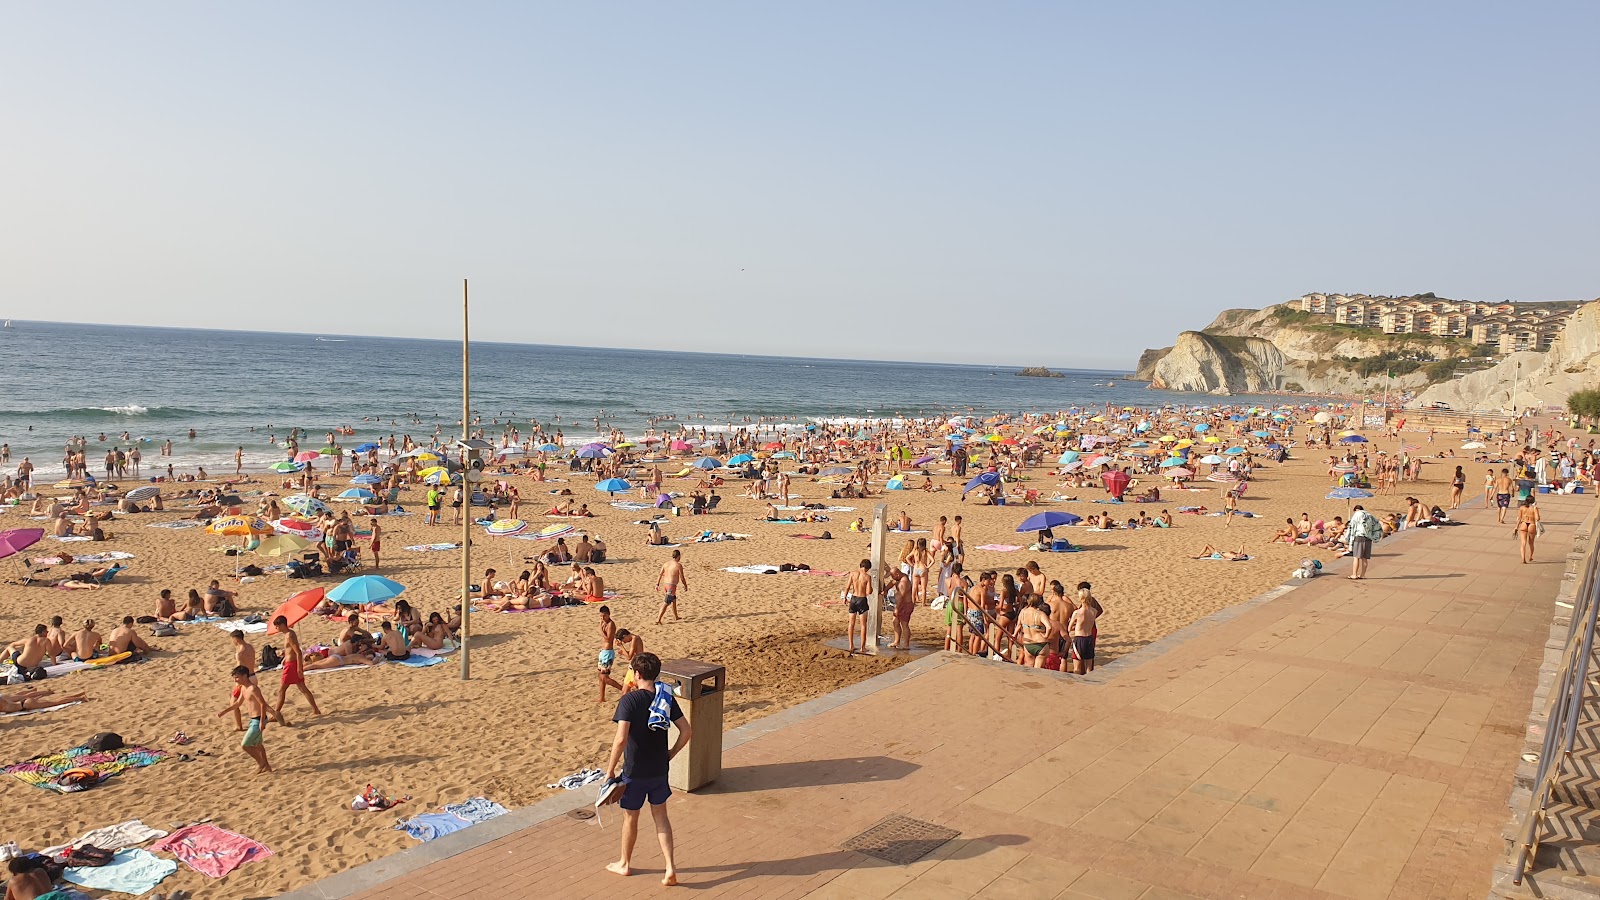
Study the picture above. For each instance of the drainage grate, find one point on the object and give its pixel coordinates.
(900, 840)
(580, 813)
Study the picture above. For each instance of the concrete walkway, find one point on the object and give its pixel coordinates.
(1341, 739)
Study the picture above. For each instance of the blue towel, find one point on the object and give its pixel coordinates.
(661, 708)
(428, 826)
(132, 871)
(476, 810)
(419, 662)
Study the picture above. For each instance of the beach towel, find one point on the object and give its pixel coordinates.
(132, 871)
(633, 505)
(476, 810)
(42, 771)
(112, 837)
(1240, 513)
(210, 850)
(418, 662)
(72, 538)
(181, 523)
(751, 570)
(912, 531)
(108, 556)
(433, 548)
(999, 548)
(427, 826)
(29, 712)
(1214, 556)
(781, 521)
(231, 625)
(661, 707)
(824, 509)
(580, 778)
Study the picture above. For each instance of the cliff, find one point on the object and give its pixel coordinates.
(1523, 380)
(1280, 348)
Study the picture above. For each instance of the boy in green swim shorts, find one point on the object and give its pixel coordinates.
(249, 697)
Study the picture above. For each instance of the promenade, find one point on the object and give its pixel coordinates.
(1334, 739)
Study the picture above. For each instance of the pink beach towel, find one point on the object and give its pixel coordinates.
(999, 548)
(210, 850)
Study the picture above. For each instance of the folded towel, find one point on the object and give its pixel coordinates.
(231, 625)
(129, 872)
(428, 826)
(476, 810)
(661, 707)
(112, 837)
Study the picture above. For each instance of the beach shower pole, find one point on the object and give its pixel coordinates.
(880, 514)
(466, 518)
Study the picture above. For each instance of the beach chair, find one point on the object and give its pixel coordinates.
(110, 574)
(713, 501)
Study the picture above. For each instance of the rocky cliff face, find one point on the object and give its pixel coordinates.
(1524, 380)
(1276, 349)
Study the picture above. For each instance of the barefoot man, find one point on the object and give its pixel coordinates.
(670, 582)
(642, 719)
(293, 671)
(248, 695)
(608, 652)
(857, 591)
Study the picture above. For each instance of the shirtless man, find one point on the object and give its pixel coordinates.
(1082, 631)
(394, 647)
(1061, 610)
(608, 652)
(166, 606)
(31, 654)
(293, 674)
(377, 542)
(1502, 495)
(955, 535)
(60, 641)
(856, 594)
(86, 643)
(248, 696)
(29, 880)
(593, 586)
(671, 582)
(124, 639)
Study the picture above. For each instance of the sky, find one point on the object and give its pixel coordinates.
(1002, 182)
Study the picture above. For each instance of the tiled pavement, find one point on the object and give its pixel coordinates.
(1342, 740)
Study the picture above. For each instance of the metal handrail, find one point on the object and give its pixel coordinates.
(1565, 706)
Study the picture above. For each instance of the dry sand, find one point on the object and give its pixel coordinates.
(529, 715)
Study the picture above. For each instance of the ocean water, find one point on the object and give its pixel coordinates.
(245, 389)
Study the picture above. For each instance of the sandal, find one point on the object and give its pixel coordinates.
(180, 739)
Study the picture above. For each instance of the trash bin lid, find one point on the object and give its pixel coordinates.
(689, 668)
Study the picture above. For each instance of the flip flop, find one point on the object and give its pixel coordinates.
(180, 739)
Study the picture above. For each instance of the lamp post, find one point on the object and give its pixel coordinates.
(466, 518)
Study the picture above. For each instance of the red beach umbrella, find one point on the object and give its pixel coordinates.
(1116, 482)
(295, 608)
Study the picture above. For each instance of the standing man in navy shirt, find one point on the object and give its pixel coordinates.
(642, 719)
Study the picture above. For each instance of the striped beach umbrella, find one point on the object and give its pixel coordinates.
(551, 531)
(507, 527)
(356, 495)
(366, 479)
(304, 504)
(306, 528)
(143, 493)
(286, 467)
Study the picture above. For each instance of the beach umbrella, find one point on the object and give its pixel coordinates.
(626, 444)
(1202, 427)
(365, 589)
(551, 531)
(650, 440)
(1469, 445)
(1212, 460)
(1262, 434)
(1233, 451)
(1072, 466)
(1274, 446)
(368, 447)
(548, 448)
(1322, 418)
(239, 526)
(613, 485)
(305, 456)
(740, 460)
(282, 545)
(330, 450)
(296, 608)
(1116, 483)
(1068, 457)
(507, 527)
(707, 462)
(772, 445)
(1099, 459)
(1221, 478)
(1410, 448)
(143, 493)
(835, 470)
(679, 446)
(896, 483)
(1178, 472)
(366, 479)
(75, 482)
(922, 460)
(286, 467)
(356, 495)
(1048, 519)
(17, 540)
(435, 475)
(987, 478)
(1352, 439)
(306, 528)
(784, 454)
(1172, 461)
(304, 505)
(1348, 493)
(594, 451)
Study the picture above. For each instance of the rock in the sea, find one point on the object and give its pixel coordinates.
(1040, 372)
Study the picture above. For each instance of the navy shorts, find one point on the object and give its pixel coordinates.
(639, 790)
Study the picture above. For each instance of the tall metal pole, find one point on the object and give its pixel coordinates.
(466, 500)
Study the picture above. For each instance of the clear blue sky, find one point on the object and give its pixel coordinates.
(997, 182)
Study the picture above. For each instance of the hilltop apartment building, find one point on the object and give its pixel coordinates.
(1507, 327)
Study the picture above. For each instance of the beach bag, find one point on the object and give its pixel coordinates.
(269, 659)
(163, 629)
(104, 741)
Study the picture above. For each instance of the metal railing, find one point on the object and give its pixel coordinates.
(1565, 707)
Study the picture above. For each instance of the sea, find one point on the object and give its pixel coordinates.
(246, 389)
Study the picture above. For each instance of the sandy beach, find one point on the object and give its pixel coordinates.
(529, 715)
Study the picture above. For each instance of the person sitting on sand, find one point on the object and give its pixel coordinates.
(392, 644)
(656, 538)
(86, 642)
(32, 653)
(433, 635)
(1211, 552)
(1164, 520)
(60, 641)
(593, 586)
(37, 698)
(62, 527)
(1286, 534)
(125, 640)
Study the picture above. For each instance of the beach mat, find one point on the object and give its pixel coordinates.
(29, 712)
(42, 771)
(432, 548)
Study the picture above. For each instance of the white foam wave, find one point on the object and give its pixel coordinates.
(131, 409)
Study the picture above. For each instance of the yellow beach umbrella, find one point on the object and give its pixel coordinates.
(282, 545)
(1212, 439)
(1098, 419)
(1166, 439)
(239, 526)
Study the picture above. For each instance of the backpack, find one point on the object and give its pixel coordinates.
(104, 741)
(163, 629)
(269, 659)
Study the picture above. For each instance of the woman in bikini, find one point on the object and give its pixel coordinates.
(1527, 527)
(1458, 483)
(1034, 631)
(37, 698)
(921, 562)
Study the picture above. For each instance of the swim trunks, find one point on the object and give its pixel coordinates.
(1502, 500)
(669, 598)
(252, 734)
(975, 620)
(656, 790)
(292, 674)
(607, 657)
(902, 609)
(1083, 648)
(857, 606)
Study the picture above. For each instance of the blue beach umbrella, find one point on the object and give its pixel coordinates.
(1233, 451)
(593, 451)
(549, 448)
(357, 494)
(1352, 439)
(366, 589)
(784, 454)
(896, 483)
(613, 485)
(1048, 519)
(1172, 461)
(367, 447)
(1069, 456)
(1348, 493)
(740, 460)
(987, 478)
(366, 479)
(1202, 427)
(1274, 446)
(1262, 433)
(707, 462)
